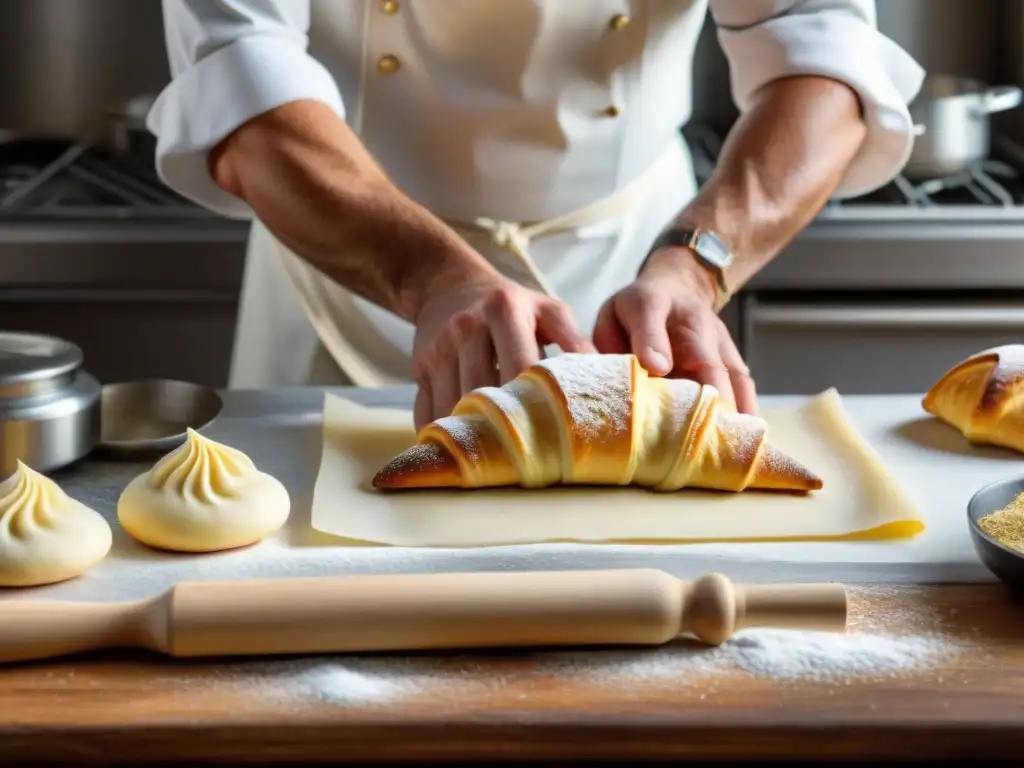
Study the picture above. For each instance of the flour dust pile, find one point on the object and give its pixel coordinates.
(782, 655)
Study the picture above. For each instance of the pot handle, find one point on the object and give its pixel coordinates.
(1000, 99)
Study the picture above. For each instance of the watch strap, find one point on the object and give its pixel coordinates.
(710, 251)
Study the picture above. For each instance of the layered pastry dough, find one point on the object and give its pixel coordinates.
(45, 535)
(203, 497)
(983, 397)
(595, 420)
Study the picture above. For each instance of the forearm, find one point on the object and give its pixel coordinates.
(778, 167)
(308, 178)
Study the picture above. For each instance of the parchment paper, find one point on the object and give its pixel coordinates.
(860, 499)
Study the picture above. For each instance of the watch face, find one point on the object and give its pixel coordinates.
(711, 248)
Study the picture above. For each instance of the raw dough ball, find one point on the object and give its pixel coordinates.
(45, 535)
(203, 497)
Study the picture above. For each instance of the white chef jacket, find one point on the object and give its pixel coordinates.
(508, 110)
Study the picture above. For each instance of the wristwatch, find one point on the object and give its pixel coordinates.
(709, 249)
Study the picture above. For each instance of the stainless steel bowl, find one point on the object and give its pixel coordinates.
(151, 416)
(49, 406)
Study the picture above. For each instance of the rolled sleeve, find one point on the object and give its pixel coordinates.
(230, 62)
(765, 40)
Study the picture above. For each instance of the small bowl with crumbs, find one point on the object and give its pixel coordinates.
(995, 516)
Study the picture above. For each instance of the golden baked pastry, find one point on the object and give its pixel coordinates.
(983, 397)
(595, 420)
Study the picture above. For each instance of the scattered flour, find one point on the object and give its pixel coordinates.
(779, 655)
(347, 684)
(829, 657)
(776, 654)
(339, 685)
(362, 680)
(315, 680)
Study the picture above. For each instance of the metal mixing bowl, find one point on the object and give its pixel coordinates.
(1005, 563)
(151, 416)
(49, 406)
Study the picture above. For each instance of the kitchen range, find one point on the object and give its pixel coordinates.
(92, 247)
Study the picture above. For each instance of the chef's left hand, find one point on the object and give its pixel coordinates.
(667, 319)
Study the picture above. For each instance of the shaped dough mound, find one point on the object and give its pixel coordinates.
(595, 420)
(203, 497)
(983, 397)
(45, 535)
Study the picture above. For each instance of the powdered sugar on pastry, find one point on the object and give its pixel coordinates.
(597, 390)
(597, 420)
(1007, 374)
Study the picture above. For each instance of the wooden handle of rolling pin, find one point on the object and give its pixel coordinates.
(419, 612)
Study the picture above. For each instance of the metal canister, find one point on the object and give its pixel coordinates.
(49, 405)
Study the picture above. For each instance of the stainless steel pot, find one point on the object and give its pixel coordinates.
(65, 63)
(952, 119)
(49, 406)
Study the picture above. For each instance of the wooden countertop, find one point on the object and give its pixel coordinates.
(133, 708)
(123, 709)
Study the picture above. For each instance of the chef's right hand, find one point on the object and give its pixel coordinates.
(479, 334)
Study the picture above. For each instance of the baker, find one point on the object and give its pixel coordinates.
(440, 190)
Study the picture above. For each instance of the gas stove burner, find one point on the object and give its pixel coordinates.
(15, 176)
(992, 188)
(980, 180)
(54, 180)
(994, 183)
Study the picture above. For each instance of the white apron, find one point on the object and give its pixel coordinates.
(298, 327)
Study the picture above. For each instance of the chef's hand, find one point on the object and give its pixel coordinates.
(667, 319)
(479, 334)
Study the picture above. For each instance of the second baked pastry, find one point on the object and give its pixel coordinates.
(983, 397)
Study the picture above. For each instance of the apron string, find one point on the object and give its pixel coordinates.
(515, 238)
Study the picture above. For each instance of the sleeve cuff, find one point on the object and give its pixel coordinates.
(838, 46)
(208, 101)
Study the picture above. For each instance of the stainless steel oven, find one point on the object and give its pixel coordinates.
(868, 345)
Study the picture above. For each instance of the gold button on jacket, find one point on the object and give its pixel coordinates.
(388, 65)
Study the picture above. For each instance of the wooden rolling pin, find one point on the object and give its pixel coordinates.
(418, 612)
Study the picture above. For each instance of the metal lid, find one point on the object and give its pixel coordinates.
(28, 357)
